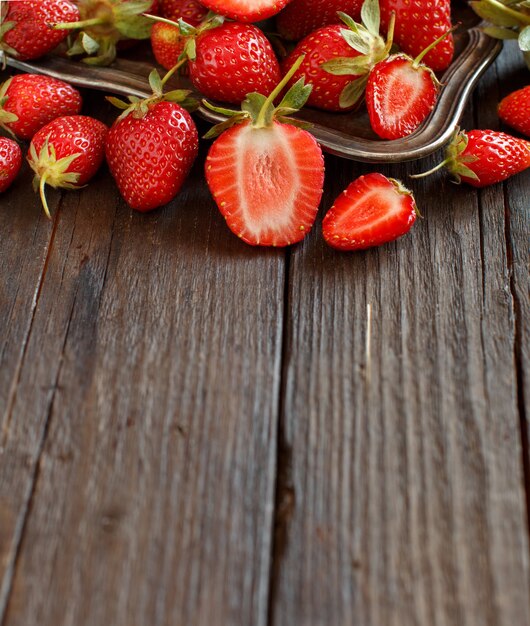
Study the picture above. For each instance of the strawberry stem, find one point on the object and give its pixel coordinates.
(423, 53)
(390, 33)
(174, 69)
(260, 122)
(433, 170)
(96, 21)
(42, 185)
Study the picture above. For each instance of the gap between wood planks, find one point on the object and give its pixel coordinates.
(518, 361)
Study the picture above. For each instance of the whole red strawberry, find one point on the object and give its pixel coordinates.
(265, 174)
(232, 60)
(151, 147)
(246, 10)
(484, 157)
(30, 101)
(10, 162)
(66, 153)
(337, 60)
(190, 11)
(372, 211)
(514, 110)
(302, 17)
(418, 24)
(26, 30)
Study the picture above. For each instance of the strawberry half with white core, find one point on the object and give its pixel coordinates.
(372, 211)
(265, 173)
(246, 10)
(338, 60)
(400, 94)
(66, 153)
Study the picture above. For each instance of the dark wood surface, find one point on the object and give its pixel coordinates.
(194, 432)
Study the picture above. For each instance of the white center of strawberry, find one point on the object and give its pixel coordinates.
(266, 162)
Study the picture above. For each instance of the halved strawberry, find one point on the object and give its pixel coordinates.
(400, 94)
(372, 211)
(265, 174)
(338, 59)
(246, 10)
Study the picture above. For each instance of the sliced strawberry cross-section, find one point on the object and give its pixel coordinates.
(372, 211)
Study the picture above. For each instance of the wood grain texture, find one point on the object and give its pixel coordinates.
(25, 238)
(401, 426)
(517, 205)
(146, 412)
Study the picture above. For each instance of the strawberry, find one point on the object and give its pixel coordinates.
(66, 153)
(229, 60)
(167, 43)
(30, 101)
(191, 11)
(10, 162)
(400, 94)
(514, 110)
(105, 23)
(151, 147)
(338, 60)
(418, 25)
(302, 17)
(373, 210)
(26, 30)
(265, 174)
(484, 157)
(246, 10)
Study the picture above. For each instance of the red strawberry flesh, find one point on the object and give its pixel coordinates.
(372, 211)
(399, 96)
(266, 182)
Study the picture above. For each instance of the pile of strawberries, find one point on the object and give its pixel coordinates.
(265, 170)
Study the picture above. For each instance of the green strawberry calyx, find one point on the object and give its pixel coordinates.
(365, 39)
(6, 117)
(139, 107)
(260, 110)
(105, 22)
(49, 170)
(455, 159)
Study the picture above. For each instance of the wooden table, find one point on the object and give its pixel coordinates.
(198, 433)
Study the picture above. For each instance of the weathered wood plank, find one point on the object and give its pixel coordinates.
(25, 236)
(401, 426)
(151, 380)
(517, 199)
